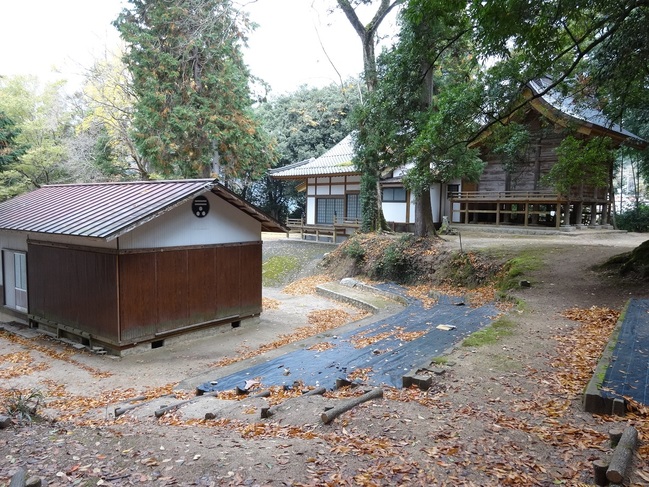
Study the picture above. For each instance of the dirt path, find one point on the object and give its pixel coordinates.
(501, 414)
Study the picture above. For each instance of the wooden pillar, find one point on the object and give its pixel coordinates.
(593, 214)
(466, 212)
(567, 214)
(527, 212)
(604, 213)
(579, 213)
(497, 213)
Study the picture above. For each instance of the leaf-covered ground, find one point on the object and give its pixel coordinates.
(502, 414)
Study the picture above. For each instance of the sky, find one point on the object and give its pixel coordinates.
(57, 39)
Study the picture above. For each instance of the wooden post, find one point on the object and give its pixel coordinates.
(328, 416)
(527, 212)
(622, 455)
(599, 471)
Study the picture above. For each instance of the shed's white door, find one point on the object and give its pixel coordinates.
(15, 282)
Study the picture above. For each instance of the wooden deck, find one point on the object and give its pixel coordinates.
(522, 207)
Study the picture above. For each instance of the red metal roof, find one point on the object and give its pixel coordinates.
(108, 210)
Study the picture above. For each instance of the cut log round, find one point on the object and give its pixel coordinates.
(332, 414)
(622, 455)
(318, 391)
(614, 435)
(600, 467)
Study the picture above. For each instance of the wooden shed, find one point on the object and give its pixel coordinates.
(116, 265)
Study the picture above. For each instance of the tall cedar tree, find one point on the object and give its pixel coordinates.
(193, 104)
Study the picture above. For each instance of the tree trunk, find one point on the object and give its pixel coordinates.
(328, 416)
(622, 455)
(367, 35)
(424, 225)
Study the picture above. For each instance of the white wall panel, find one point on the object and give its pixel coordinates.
(310, 211)
(322, 190)
(338, 189)
(179, 227)
(394, 212)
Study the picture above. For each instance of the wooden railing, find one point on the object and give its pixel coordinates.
(521, 196)
(330, 232)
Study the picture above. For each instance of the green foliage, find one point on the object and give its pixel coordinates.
(593, 50)
(512, 142)
(581, 161)
(395, 264)
(635, 219)
(425, 105)
(497, 330)
(10, 149)
(470, 270)
(355, 250)
(193, 101)
(302, 124)
(43, 118)
(309, 121)
(23, 405)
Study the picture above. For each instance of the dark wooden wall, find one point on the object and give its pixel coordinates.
(163, 291)
(540, 158)
(74, 287)
(139, 296)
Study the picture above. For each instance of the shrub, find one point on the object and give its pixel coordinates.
(395, 263)
(23, 405)
(634, 220)
(354, 250)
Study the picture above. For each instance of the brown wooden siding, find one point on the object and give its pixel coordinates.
(74, 287)
(187, 287)
(540, 159)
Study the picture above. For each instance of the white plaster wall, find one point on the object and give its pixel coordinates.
(179, 227)
(338, 189)
(12, 241)
(412, 209)
(394, 212)
(434, 201)
(310, 211)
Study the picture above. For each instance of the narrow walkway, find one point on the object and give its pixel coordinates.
(384, 350)
(628, 373)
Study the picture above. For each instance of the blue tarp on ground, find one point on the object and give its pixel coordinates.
(628, 373)
(389, 358)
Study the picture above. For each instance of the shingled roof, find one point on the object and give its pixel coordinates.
(108, 210)
(337, 160)
(585, 115)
